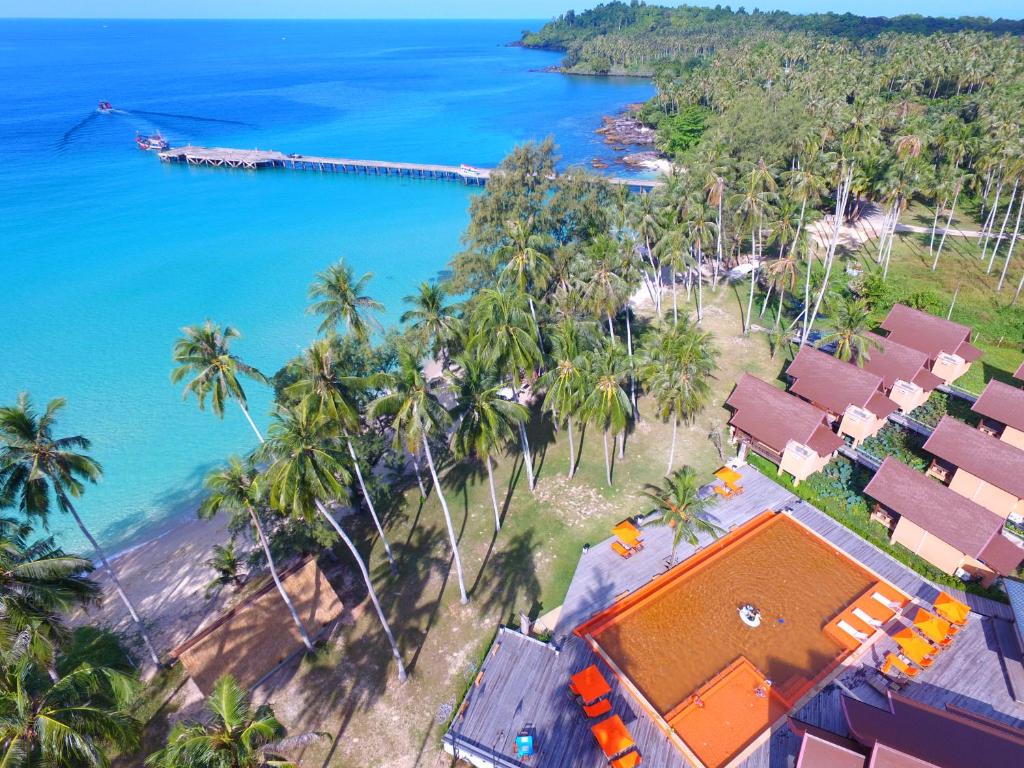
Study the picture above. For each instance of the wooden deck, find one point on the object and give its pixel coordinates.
(264, 159)
(524, 682)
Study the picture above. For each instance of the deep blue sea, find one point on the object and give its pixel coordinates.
(105, 253)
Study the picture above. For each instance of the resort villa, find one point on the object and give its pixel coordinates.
(978, 466)
(851, 396)
(1019, 374)
(947, 344)
(787, 641)
(948, 530)
(1001, 408)
(908, 734)
(781, 427)
(906, 374)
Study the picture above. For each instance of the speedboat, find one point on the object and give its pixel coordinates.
(105, 108)
(153, 143)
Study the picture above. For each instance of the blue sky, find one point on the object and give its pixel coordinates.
(515, 9)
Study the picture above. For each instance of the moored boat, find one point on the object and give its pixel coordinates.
(105, 108)
(153, 143)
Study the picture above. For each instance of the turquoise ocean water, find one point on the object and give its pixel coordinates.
(105, 253)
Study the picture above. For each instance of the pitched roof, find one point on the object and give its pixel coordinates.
(834, 385)
(775, 417)
(984, 456)
(1003, 403)
(945, 514)
(928, 333)
(817, 752)
(892, 360)
(1002, 555)
(1019, 374)
(948, 738)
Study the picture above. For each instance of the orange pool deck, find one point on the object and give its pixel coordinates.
(719, 718)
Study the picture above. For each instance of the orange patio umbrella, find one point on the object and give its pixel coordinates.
(931, 626)
(729, 476)
(628, 533)
(612, 736)
(951, 609)
(915, 647)
(590, 685)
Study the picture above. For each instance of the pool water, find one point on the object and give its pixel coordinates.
(682, 631)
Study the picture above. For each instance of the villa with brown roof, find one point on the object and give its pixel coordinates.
(951, 532)
(1001, 408)
(978, 466)
(947, 344)
(909, 734)
(781, 427)
(848, 394)
(906, 376)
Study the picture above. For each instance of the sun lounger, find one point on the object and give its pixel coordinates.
(877, 611)
(892, 606)
(867, 618)
(602, 707)
(854, 633)
(621, 551)
(892, 661)
(724, 492)
(629, 760)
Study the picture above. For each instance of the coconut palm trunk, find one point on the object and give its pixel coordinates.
(306, 639)
(1013, 243)
(524, 444)
(572, 449)
(494, 494)
(369, 504)
(607, 461)
(419, 475)
(463, 597)
(672, 447)
(114, 580)
(369, 585)
(1002, 228)
(945, 231)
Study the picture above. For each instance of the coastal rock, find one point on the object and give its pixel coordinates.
(626, 129)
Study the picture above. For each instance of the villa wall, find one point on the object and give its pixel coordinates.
(908, 401)
(859, 430)
(920, 542)
(801, 467)
(950, 373)
(987, 495)
(1013, 436)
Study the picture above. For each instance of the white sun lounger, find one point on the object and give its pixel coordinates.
(851, 631)
(885, 601)
(866, 617)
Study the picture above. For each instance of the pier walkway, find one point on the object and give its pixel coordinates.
(259, 159)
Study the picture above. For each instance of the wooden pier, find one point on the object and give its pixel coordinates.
(260, 159)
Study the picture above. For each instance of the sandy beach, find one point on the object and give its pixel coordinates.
(165, 578)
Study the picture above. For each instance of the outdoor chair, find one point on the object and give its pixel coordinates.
(629, 760)
(598, 708)
(892, 661)
(621, 550)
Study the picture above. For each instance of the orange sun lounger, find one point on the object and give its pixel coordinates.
(589, 684)
(627, 533)
(932, 627)
(621, 551)
(598, 708)
(917, 650)
(951, 609)
(892, 661)
(612, 736)
(628, 760)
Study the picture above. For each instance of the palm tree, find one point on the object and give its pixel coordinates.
(431, 320)
(37, 469)
(849, 322)
(65, 723)
(484, 419)
(225, 564)
(38, 583)
(234, 489)
(417, 415)
(565, 380)
(607, 405)
(677, 365)
(236, 735)
(341, 300)
(604, 291)
(682, 507)
(203, 356)
(331, 394)
(504, 335)
(305, 474)
(526, 263)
